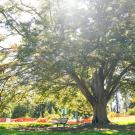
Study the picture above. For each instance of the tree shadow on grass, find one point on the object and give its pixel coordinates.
(13, 132)
(77, 130)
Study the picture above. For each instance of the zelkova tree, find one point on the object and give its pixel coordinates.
(88, 46)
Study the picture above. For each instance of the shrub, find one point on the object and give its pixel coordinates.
(19, 111)
(52, 116)
(131, 111)
(111, 114)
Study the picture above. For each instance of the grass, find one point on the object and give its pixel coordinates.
(21, 128)
(123, 120)
(13, 132)
(23, 124)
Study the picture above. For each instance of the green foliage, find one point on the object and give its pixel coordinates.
(132, 104)
(52, 116)
(19, 111)
(131, 111)
(42, 109)
(39, 111)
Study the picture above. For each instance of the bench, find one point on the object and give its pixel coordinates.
(62, 121)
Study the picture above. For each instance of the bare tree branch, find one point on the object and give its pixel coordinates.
(116, 81)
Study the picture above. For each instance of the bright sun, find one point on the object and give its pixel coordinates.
(71, 3)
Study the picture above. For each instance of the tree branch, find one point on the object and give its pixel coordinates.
(82, 86)
(11, 25)
(116, 81)
(109, 74)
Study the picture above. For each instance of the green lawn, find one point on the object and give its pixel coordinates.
(11, 132)
(24, 124)
(125, 126)
(123, 120)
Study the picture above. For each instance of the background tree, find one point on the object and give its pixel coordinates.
(19, 111)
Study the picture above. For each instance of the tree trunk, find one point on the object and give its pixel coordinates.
(98, 99)
(100, 114)
(117, 103)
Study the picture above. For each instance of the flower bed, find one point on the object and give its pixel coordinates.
(83, 121)
(23, 120)
(87, 120)
(2, 119)
(42, 120)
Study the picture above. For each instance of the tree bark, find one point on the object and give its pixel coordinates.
(100, 114)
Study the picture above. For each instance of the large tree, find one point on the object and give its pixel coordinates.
(88, 46)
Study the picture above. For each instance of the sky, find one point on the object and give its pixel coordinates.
(16, 39)
(29, 2)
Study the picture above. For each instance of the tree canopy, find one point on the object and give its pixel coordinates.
(87, 47)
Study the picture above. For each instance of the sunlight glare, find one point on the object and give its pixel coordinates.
(75, 4)
(71, 3)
